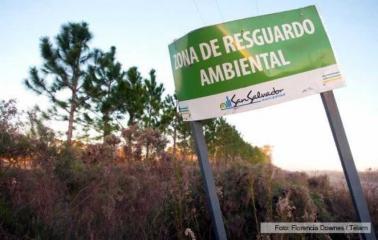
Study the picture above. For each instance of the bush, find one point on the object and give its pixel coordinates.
(97, 191)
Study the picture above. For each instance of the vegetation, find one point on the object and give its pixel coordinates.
(103, 84)
(142, 181)
(63, 69)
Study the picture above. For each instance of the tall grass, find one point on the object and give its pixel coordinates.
(113, 191)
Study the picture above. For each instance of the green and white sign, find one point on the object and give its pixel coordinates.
(252, 63)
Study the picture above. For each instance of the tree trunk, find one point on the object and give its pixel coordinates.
(71, 118)
(131, 119)
(147, 150)
(70, 123)
(106, 130)
(174, 140)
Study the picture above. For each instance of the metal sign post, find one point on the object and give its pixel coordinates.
(347, 162)
(215, 211)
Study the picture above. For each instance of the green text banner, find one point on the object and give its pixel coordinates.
(252, 63)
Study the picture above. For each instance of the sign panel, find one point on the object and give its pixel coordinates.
(252, 63)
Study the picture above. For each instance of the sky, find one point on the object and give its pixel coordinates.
(141, 30)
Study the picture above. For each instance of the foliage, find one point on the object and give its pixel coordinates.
(226, 144)
(139, 141)
(13, 144)
(104, 83)
(153, 91)
(114, 191)
(63, 70)
(136, 99)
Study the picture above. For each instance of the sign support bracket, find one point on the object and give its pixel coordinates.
(202, 153)
(347, 162)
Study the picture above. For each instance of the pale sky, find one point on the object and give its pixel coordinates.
(141, 31)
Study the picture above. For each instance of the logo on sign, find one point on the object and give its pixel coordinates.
(251, 98)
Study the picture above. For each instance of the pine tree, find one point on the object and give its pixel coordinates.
(63, 70)
(104, 84)
(154, 104)
(135, 100)
(170, 119)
